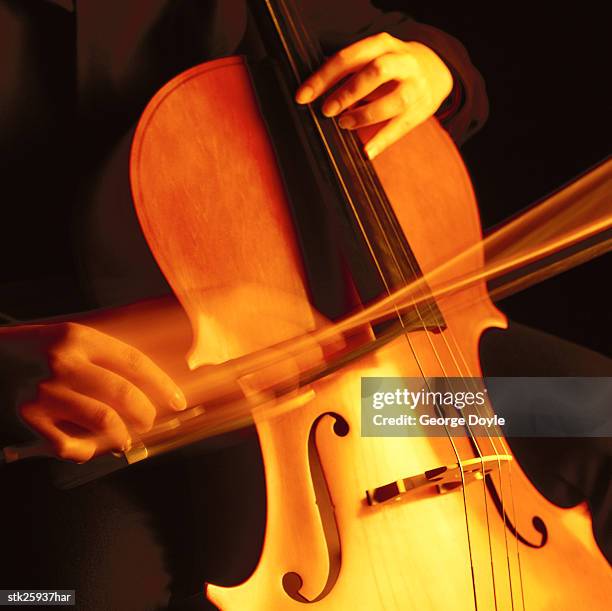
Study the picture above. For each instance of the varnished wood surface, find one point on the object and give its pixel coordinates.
(212, 207)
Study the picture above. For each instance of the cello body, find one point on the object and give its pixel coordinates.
(212, 206)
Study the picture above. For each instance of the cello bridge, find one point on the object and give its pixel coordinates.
(440, 480)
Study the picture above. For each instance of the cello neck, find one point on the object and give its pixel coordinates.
(372, 242)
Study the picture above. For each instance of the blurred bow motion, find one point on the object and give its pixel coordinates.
(221, 202)
(569, 228)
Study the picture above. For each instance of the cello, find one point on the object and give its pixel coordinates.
(232, 222)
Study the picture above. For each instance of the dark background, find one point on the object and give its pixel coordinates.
(546, 77)
(545, 71)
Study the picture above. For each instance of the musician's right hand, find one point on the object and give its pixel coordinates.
(83, 390)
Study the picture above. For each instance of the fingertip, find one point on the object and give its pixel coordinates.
(83, 458)
(77, 451)
(347, 122)
(304, 94)
(371, 151)
(143, 427)
(331, 108)
(178, 401)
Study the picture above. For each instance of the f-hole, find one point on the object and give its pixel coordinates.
(538, 523)
(292, 582)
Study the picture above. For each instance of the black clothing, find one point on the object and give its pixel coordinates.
(128, 50)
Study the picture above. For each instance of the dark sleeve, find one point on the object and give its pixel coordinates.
(341, 23)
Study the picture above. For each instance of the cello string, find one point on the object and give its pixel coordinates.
(342, 139)
(410, 344)
(490, 438)
(348, 196)
(373, 255)
(420, 367)
(428, 305)
(292, 63)
(356, 169)
(339, 175)
(516, 539)
(500, 466)
(469, 383)
(340, 134)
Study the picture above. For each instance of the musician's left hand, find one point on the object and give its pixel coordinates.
(383, 79)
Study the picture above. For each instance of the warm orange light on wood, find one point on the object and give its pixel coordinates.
(211, 204)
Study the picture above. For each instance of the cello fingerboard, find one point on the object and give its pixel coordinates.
(329, 182)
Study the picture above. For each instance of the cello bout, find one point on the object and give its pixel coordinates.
(211, 202)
